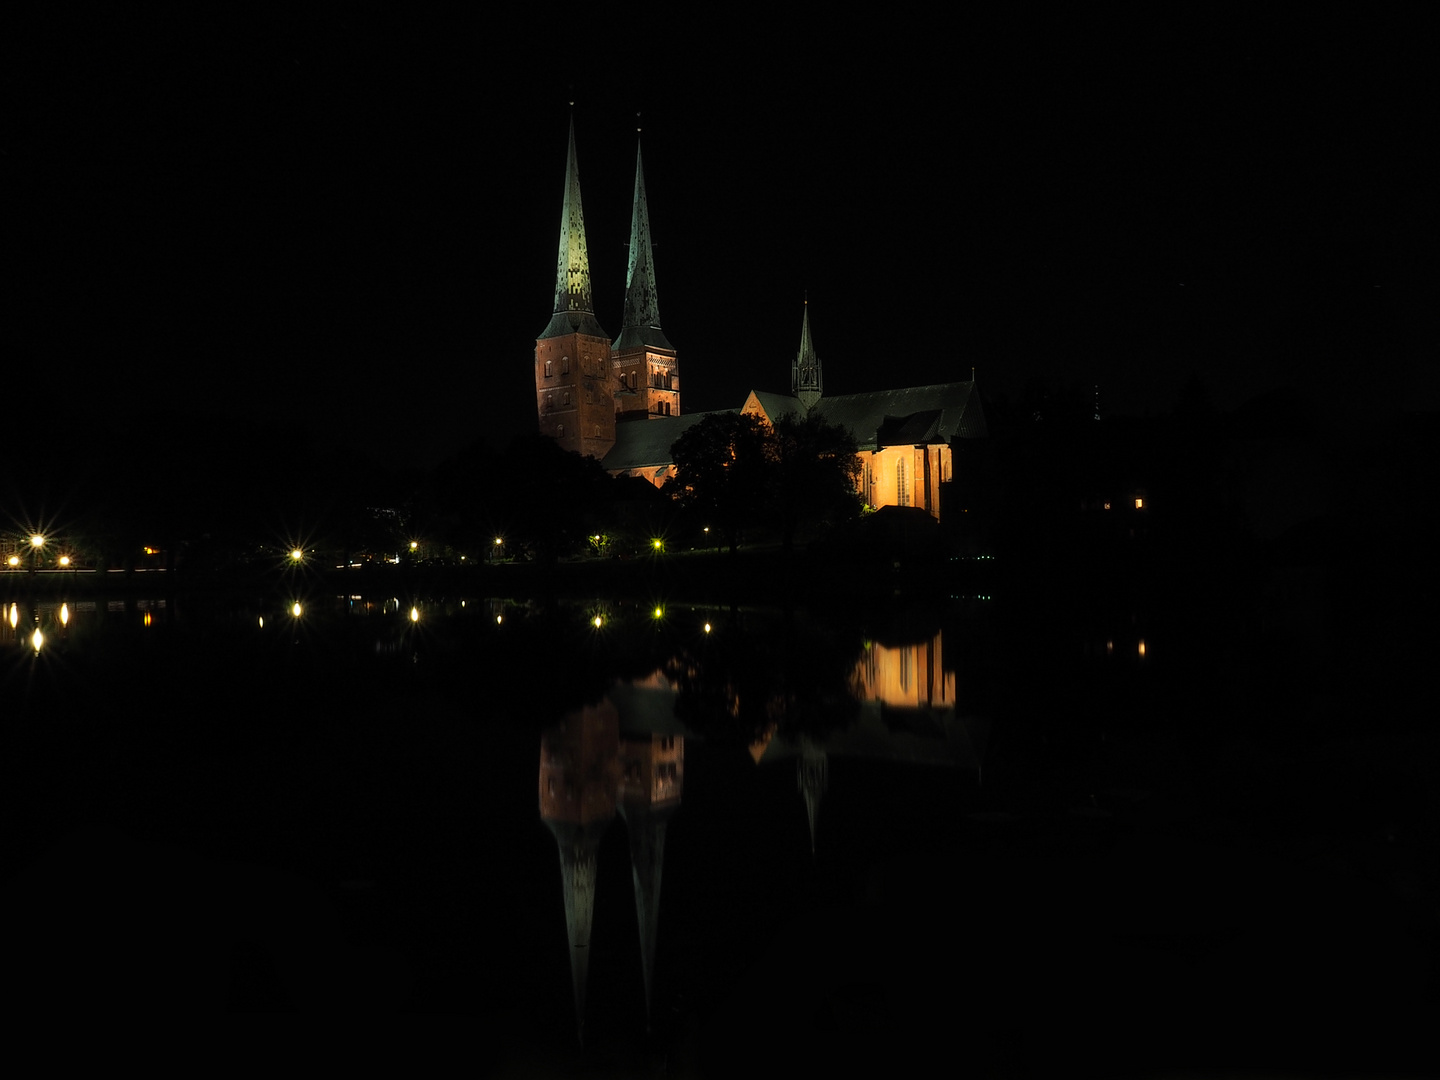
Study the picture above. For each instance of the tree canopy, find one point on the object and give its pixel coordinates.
(738, 472)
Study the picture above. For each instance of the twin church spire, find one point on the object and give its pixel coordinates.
(642, 306)
(574, 301)
(585, 382)
(574, 297)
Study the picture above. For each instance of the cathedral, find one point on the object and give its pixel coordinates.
(619, 400)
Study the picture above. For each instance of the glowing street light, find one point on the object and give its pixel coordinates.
(37, 639)
(296, 555)
(598, 621)
(296, 609)
(414, 614)
(14, 560)
(64, 560)
(37, 541)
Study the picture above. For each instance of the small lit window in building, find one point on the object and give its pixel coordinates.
(549, 369)
(565, 365)
(1139, 503)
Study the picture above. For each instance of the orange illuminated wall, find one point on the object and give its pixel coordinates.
(575, 392)
(905, 676)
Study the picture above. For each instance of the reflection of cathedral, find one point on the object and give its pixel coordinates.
(907, 714)
(588, 772)
(619, 401)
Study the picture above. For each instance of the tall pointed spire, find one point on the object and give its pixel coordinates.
(805, 380)
(642, 305)
(649, 377)
(574, 303)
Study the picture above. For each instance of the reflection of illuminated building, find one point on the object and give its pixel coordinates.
(578, 781)
(587, 772)
(907, 714)
(651, 782)
(905, 676)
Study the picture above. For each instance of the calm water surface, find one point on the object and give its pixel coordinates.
(654, 839)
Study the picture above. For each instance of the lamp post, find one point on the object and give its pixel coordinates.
(36, 543)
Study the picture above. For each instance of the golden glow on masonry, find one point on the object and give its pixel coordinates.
(905, 676)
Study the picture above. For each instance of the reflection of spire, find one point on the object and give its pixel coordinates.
(578, 779)
(578, 845)
(652, 781)
(813, 773)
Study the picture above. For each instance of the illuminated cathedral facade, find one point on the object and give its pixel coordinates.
(619, 400)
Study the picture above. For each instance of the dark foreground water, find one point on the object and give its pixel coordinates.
(964, 835)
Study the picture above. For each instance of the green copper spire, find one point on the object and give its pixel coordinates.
(642, 306)
(574, 305)
(805, 381)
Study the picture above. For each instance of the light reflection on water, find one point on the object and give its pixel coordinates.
(818, 737)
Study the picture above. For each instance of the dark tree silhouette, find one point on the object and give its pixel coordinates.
(721, 472)
(812, 479)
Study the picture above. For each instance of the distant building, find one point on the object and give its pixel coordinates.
(619, 401)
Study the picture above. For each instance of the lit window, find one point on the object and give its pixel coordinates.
(549, 369)
(1139, 503)
(565, 365)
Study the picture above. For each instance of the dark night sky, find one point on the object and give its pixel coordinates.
(346, 219)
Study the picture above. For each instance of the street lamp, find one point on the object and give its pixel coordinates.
(36, 543)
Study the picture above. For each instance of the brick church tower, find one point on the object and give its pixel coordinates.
(574, 384)
(649, 380)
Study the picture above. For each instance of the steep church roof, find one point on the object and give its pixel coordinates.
(643, 443)
(908, 416)
(574, 303)
(642, 305)
(914, 414)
